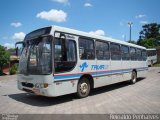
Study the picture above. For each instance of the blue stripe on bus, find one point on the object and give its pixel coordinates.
(95, 74)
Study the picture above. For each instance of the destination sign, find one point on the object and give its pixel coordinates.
(38, 32)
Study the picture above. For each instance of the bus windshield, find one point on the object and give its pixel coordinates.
(36, 57)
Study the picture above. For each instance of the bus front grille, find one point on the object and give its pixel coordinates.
(26, 90)
(30, 85)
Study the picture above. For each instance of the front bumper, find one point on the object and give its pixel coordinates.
(28, 84)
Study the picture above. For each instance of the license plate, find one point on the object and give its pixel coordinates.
(36, 90)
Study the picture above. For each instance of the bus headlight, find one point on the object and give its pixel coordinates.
(45, 85)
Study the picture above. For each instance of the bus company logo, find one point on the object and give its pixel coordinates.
(83, 66)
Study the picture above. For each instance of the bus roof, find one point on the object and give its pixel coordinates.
(151, 49)
(80, 33)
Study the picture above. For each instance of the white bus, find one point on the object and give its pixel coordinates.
(151, 56)
(57, 61)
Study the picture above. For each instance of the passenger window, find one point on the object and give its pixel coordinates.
(125, 52)
(115, 51)
(86, 49)
(133, 53)
(102, 50)
(149, 53)
(64, 58)
(71, 51)
(139, 54)
(144, 55)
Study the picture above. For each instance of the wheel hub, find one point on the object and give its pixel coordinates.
(84, 87)
(134, 77)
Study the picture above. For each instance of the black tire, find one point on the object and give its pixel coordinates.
(133, 77)
(83, 88)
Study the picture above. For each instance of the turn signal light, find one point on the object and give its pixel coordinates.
(45, 85)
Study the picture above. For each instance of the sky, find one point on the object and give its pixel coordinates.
(103, 17)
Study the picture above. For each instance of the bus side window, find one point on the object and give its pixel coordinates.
(139, 54)
(133, 53)
(64, 58)
(125, 52)
(144, 55)
(115, 51)
(102, 50)
(86, 49)
(71, 54)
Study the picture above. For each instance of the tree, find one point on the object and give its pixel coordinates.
(148, 43)
(149, 35)
(150, 31)
(4, 58)
(132, 41)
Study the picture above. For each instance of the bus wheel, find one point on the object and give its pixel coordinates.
(83, 88)
(133, 77)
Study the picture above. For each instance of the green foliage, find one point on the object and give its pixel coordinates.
(13, 70)
(4, 58)
(148, 43)
(150, 36)
(132, 41)
(150, 31)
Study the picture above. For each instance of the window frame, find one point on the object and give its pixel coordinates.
(127, 53)
(50, 37)
(90, 39)
(108, 49)
(145, 55)
(67, 48)
(139, 58)
(135, 57)
(120, 58)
